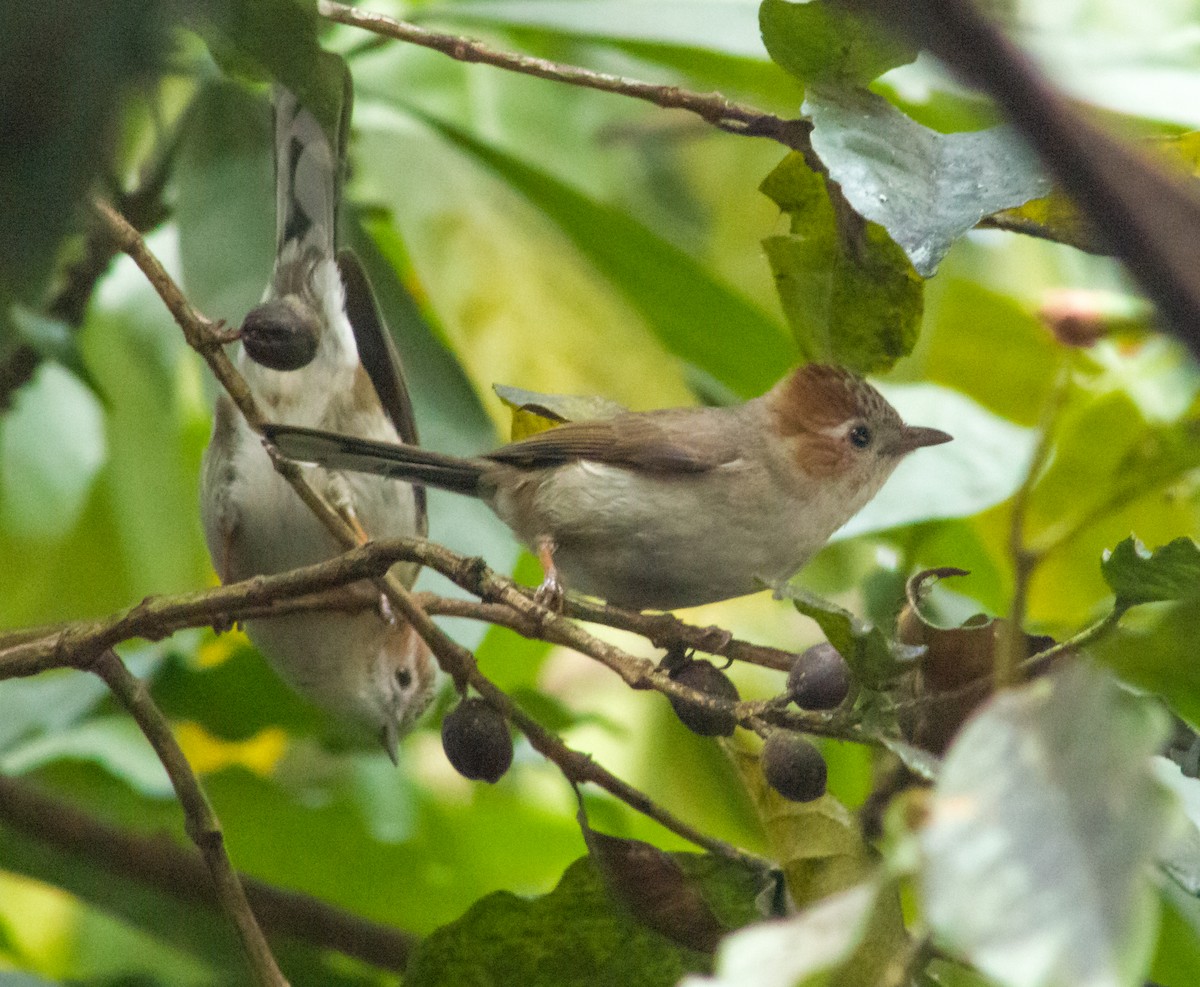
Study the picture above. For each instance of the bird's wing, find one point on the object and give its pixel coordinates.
(673, 441)
(376, 349)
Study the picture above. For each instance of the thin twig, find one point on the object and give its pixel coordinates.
(200, 821)
(1010, 649)
(711, 107)
(161, 863)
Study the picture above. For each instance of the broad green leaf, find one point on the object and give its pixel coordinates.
(1177, 957)
(816, 42)
(1039, 831)
(856, 306)
(275, 40)
(46, 703)
(1171, 572)
(114, 742)
(52, 446)
(691, 24)
(224, 182)
(235, 698)
(1155, 649)
(693, 314)
(987, 346)
(926, 189)
(864, 646)
(575, 935)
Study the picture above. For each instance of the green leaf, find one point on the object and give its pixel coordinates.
(693, 24)
(114, 742)
(693, 314)
(864, 646)
(927, 189)
(818, 43)
(859, 307)
(46, 703)
(224, 180)
(535, 412)
(52, 448)
(1171, 572)
(575, 935)
(278, 40)
(1040, 830)
(1155, 649)
(64, 84)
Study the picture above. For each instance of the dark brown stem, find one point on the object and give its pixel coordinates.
(713, 108)
(160, 863)
(200, 821)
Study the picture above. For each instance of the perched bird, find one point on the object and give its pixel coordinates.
(316, 353)
(671, 508)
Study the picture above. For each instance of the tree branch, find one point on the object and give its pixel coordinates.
(713, 108)
(201, 822)
(160, 863)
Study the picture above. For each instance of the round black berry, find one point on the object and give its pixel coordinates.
(793, 767)
(281, 335)
(476, 741)
(820, 678)
(705, 677)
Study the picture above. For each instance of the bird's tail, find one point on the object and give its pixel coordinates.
(401, 462)
(308, 169)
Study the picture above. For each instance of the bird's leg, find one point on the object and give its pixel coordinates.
(551, 594)
(222, 624)
(345, 507)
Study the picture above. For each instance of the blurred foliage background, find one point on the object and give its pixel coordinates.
(552, 238)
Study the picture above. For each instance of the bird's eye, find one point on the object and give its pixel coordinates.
(860, 436)
(404, 678)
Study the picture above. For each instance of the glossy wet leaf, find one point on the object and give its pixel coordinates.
(926, 189)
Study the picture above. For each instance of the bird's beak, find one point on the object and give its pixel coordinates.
(389, 736)
(914, 437)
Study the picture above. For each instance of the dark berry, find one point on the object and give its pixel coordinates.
(281, 334)
(476, 741)
(820, 678)
(705, 677)
(793, 767)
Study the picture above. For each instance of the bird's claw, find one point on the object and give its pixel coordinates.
(551, 594)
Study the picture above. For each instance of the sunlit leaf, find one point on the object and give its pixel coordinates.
(1171, 572)
(693, 314)
(819, 43)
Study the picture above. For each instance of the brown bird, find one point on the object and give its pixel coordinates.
(671, 508)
